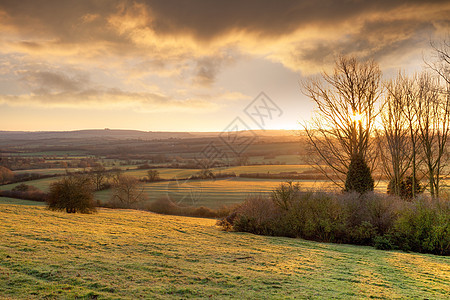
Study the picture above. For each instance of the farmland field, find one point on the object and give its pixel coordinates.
(133, 254)
(213, 193)
(209, 193)
(223, 191)
(49, 171)
(42, 184)
(169, 173)
(6, 200)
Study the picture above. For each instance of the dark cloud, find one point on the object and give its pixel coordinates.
(378, 40)
(163, 35)
(208, 19)
(83, 20)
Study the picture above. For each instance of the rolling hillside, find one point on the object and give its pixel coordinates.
(133, 254)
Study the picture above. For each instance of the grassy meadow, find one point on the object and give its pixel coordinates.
(126, 254)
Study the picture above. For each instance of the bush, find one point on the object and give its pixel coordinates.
(424, 226)
(382, 221)
(72, 194)
(165, 205)
(6, 175)
(406, 188)
(359, 178)
(24, 188)
(285, 194)
(257, 215)
(384, 242)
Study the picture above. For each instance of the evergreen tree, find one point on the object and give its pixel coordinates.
(359, 178)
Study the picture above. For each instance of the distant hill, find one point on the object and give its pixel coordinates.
(120, 134)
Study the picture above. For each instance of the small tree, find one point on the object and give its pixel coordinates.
(98, 177)
(127, 190)
(73, 194)
(359, 178)
(153, 175)
(206, 173)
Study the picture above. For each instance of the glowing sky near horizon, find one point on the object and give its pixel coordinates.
(191, 65)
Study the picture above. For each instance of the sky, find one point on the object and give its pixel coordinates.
(197, 65)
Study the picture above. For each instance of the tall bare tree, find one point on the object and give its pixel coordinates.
(433, 113)
(441, 61)
(344, 120)
(410, 112)
(393, 139)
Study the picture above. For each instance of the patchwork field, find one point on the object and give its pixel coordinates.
(133, 254)
(42, 184)
(213, 193)
(6, 200)
(209, 193)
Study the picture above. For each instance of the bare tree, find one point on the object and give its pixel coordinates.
(441, 62)
(127, 190)
(433, 113)
(98, 175)
(410, 112)
(344, 121)
(393, 138)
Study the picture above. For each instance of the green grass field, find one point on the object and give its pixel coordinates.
(169, 173)
(42, 184)
(6, 200)
(50, 171)
(126, 254)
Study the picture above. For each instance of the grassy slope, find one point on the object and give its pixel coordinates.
(132, 254)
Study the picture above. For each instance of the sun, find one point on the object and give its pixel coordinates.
(356, 117)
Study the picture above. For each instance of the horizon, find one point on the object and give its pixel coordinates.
(146, 131)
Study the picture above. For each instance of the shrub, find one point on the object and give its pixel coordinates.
(164, 205)
(406, 186)
(359, 178)
(383, 221)
(73, 194)
(24, 188)
(6, 175)
(285, 194)
(424, 226)
(256, 215)
(383, 242)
